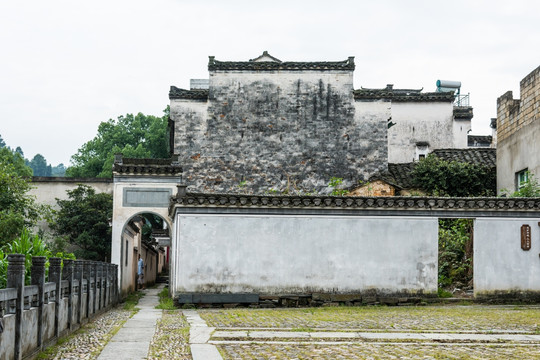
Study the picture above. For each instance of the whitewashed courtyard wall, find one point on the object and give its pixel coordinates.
(501, 266)
(274, 245)
(295, 254)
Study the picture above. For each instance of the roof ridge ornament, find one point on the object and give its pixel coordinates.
(266, 57)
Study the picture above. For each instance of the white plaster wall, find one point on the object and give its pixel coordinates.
(46, 192)
(430, 122)
(500, 265)
(461, 129)
(341, 80)
(302, 254)
(517, 152)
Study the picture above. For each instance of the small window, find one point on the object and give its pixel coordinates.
(127, 243)
(522, 178)
(421, 151)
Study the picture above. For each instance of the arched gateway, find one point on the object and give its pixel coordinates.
(142, 192)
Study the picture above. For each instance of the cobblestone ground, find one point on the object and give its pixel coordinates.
(444, 318)
(88, 341)
(376, 351)
(171, 338)
(457, 319)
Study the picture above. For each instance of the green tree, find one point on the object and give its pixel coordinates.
(453, 178)
(39, 166)
(58, 170)
(2, 142)
(7, 156)
(18, 209)
(134, 136)
(455, 252)
(85, 220)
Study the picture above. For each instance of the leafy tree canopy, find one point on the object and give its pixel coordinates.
(39, 166)
(18, 209)
(439, 177)
(132, 135)
(85, 220)
(7, 156)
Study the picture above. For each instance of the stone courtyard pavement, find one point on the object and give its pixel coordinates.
(372, 332)
(367, 332)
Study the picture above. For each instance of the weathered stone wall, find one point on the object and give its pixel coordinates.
(513, 114)
(518, 132)
(276, 130)
(516, 153)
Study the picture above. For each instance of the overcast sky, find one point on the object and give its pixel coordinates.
(66, 66)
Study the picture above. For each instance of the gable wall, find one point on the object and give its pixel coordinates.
(272, 130)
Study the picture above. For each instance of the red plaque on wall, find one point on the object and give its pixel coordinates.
(525, 237)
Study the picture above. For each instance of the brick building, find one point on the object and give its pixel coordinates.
(518, 134)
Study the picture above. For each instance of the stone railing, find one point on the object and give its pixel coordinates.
(36, 315)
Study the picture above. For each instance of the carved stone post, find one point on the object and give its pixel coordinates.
(78, 269)
(38, 278)
(99, 277)
(15, 279)
(87, 269)
(115, 281)
(68, 274)
(55, 276)
(94, 285)
(106, 285)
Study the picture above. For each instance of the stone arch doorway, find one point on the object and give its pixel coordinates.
(145, 234)
(141, 186)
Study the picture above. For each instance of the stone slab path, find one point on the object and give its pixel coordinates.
(132, 341)
(199, 335)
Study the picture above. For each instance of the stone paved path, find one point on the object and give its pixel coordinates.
(132, 341)
(199, 335)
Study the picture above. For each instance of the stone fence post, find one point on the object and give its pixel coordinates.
(55, 276)
(68, 274)
(15, 279)
(38, 278)
(78, 270)
(87, 269)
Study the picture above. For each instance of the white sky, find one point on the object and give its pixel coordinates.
(66, 66)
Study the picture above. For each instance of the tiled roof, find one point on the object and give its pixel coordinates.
(211, 200)
(463, 112)
(198, 94)
(402, 95)
(131, 166)
(476, 140)
(399, 175)
(477, 156)
(214, 65)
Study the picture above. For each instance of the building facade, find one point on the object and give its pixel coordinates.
(518, 134)
(265, 125)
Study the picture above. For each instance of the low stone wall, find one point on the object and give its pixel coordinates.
(36, 315)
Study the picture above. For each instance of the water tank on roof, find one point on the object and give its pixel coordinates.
(448, 85)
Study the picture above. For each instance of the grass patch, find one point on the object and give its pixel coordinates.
(441, 293)
(165, 301)
(132, 300)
